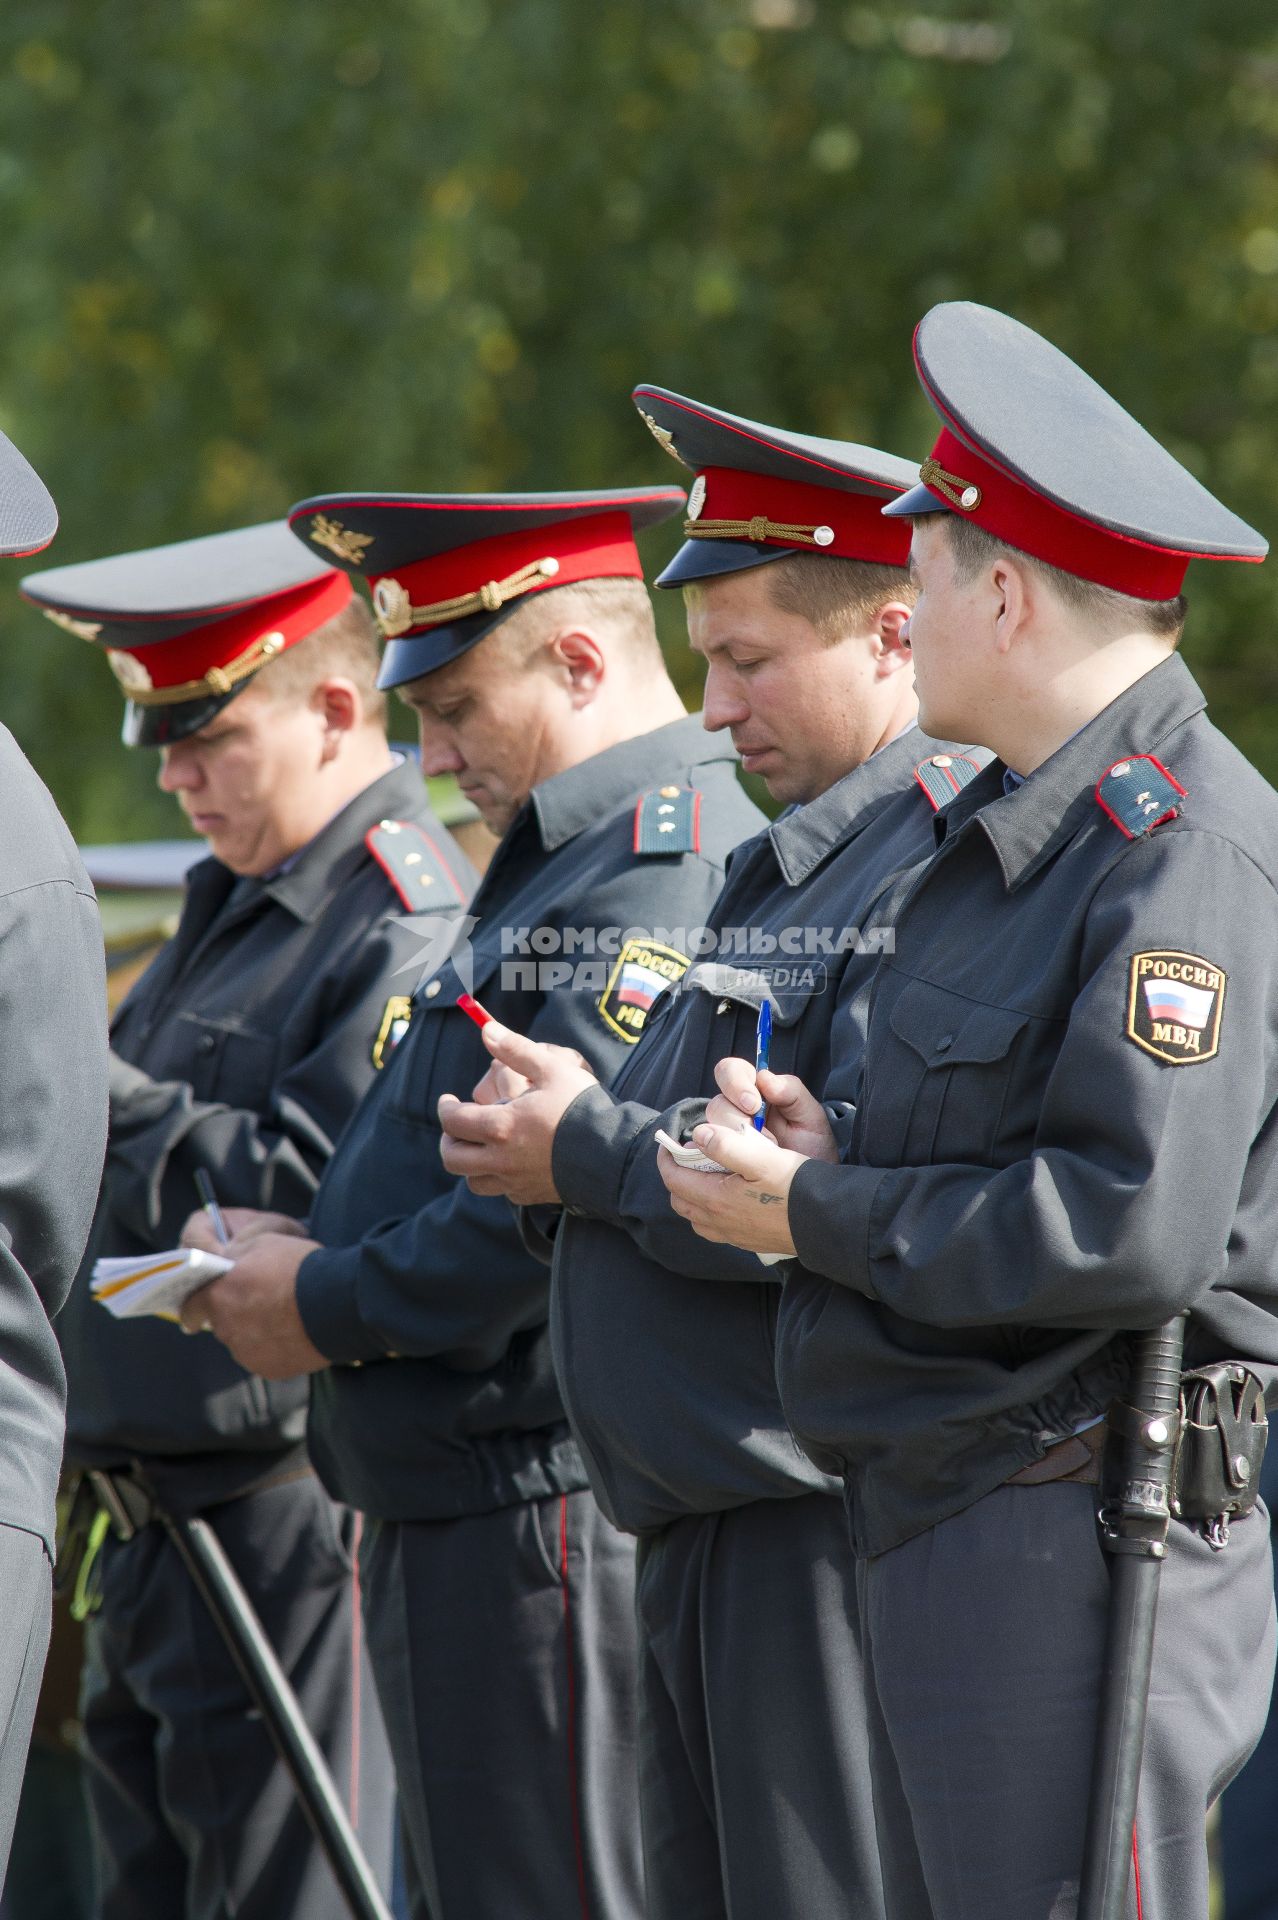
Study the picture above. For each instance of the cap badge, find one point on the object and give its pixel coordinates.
(129, 671)
(697, 497)
(951, 486)
(662, 435)
(82, 629)
(348, 546)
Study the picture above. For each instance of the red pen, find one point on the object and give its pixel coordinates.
(473, 1011)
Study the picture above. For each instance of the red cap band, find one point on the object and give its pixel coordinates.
(1012, 511)
(597, 546)
(194, 654)
(854, 520)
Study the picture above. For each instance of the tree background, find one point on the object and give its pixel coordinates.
(260, 248)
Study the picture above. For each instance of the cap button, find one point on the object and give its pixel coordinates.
(970, 498)
(824, 536)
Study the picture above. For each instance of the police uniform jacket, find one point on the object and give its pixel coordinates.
(663, 1342)
(242, 1050)
(452, 1407)
(1067, 1130)
(52, 1125)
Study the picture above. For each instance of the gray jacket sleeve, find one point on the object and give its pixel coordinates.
(160, 1131)
(54, 1111)
(1121, 1209)
(605, 1165)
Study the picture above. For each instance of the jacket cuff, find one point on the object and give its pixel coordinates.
(590, 1152)
(829, 1217)
(328, 1301)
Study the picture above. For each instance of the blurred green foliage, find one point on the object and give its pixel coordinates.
(259, 248)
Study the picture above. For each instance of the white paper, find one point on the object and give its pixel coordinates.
(154, 1283)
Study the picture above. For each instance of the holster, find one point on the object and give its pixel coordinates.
(1223, 1431)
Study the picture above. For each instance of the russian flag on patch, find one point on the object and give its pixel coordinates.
(1172, 1000)
(639, 986)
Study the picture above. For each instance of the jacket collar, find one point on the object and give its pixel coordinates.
(1026, 827)
(581, 796)
(803, 837)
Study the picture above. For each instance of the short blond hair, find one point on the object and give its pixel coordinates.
(345, 647)
(972, 549)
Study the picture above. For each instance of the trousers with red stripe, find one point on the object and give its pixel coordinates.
(983, 1641)
(503, 1648)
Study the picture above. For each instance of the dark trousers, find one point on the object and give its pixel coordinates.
(503, 1646)
(26, 1593)
(1249, 1811)
(754, 1768)
(984, 1640)
(194, 1818)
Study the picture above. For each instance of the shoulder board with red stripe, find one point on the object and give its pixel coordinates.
(415, 865)
(668, 820)
(946, 774)
(1139, 795)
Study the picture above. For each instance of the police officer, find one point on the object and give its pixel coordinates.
(52, 1136)
(753, 1767)
(240, 1052)
(499, 1601)
(1066, 1135)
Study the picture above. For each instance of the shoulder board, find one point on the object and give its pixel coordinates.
(1138, 795)
(415, 866)
(946, 774)
(668, 820)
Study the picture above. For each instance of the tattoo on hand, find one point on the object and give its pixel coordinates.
(766, 1199)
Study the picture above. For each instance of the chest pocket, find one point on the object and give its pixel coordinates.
(943, 1081)
(224, 1060)
(439, 1054)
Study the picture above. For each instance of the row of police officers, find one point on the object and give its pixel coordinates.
(722, 1544)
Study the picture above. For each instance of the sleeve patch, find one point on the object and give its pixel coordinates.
(668, 821)
(644, 969)
(1175, 1003)
(1138, 795)
(415, 866)
(396, 1015)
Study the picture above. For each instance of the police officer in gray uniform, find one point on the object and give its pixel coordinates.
(499, 1601)
(240, 1052)
(1066, 1135)
(753, 1764)
(52, 1137)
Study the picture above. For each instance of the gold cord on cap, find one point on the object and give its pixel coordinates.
(760, 528)
(951, 486)
(136, 682)
(396, 613)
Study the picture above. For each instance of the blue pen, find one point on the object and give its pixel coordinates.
(762, 1048)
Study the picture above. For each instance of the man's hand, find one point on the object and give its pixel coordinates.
(796, 1119)
(505, 1147)
(253, 1308)
(746, 1206)
(243, 1223)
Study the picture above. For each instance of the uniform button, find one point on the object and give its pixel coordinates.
(433, 989)
(206, 1043)
(945, 1042)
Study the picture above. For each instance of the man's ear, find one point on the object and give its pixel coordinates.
(338, 703)
(891, 627)
(1013, 602)
(582, 658)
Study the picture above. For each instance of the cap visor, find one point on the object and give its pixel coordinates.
(918, 500)
(706, 559)
(160, 726)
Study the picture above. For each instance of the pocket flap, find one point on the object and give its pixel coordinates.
(944, 1029)
(747, 987)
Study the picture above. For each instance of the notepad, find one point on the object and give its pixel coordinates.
(155, 1283)
(697, 1162)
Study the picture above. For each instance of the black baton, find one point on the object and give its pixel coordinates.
(1134, 1524)
(232, 1611)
